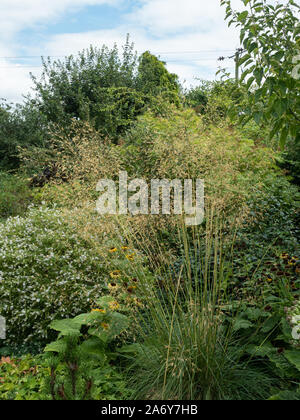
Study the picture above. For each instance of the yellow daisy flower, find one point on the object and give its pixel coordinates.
(115, 274)
(292, 262)
(112, 250)
(114, 306)
(102, 311)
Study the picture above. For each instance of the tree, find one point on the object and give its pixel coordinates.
(270, 35)
(154, 79)
(102, 86)
(76, 87)
(23, 126)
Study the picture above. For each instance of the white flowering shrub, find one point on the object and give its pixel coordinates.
(294, 318)
(47, 272)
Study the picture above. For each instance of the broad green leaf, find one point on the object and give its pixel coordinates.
(293, 356)
(58, 346)
(67, 326)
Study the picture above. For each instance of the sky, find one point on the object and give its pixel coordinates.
(190, 35)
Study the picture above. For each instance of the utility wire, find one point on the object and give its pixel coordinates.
(157, 53)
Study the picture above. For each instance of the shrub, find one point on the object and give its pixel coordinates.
(230, 164)
(46, 271)
(80, 363)
(15, 195)
(81, 157)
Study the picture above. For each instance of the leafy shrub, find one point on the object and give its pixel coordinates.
(290, 160)
(80, 363)
(294, 319)
(102, 86)
(56, 264)
(47, 271)
(266, 251)
(81, 157)
(15, 195)
(20, 126)
(230, 164)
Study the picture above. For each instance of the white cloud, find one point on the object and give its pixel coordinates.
(192, 33)
(172, 16)
(16, 15)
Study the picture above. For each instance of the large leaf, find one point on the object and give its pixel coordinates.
(58, 346)
(293, 356)
(93, 346)
(241, 324)
(67, 327)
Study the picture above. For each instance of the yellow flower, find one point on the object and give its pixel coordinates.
(102, 311)
(269, 280)
(115, 274)
(125, 248)
(292, 262)
(138, 302)
(104, 325)
(112, 285)
(112, 250)
(130, 257)
(131, 289)
(114, 306)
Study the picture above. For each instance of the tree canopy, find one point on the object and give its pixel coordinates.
(270, 35)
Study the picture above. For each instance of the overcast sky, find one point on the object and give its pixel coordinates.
(189, 35)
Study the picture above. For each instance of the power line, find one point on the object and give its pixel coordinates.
(169, 61)
(194, 60)
(163, 53)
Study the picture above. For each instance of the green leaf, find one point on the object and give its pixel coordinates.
(270, 324)
(258, 74)
(105, 301)
(241, 324)
(93, 346)
(293, 356)
(58, 346)
(243, 16)
(283, 137)
(67, 327)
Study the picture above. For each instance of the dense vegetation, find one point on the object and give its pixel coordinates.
(145, 307)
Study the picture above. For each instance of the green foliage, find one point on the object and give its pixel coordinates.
(230, 163)
(290, 161)
(197, 97)
(266, 335)
(70, 88)
(15, 195)
(103, 88)
(185, 349)
(215, 99)
(80, 363)
(22, 379)
(47, 271)
(154, 79)
(270, 35)
(272, 231)
(21, 126)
